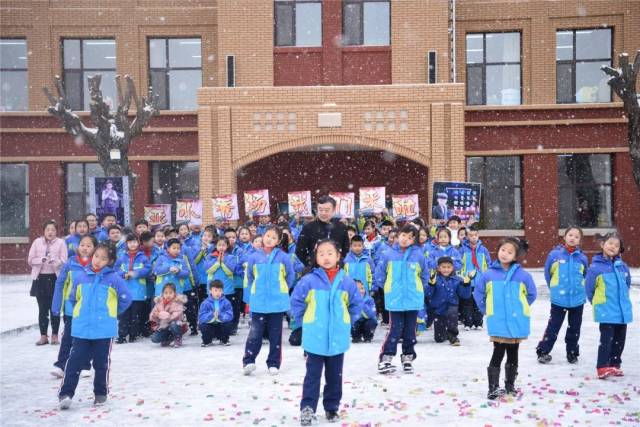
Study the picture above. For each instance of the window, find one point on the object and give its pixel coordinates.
(174, 180)
(585, 190)
(501, 200)
(493, 69)
(298, 23)
(87, 57)
(366, 23)
(77, 177)
(579, 56)
(175, 68)
(14, 93)
(14, 200)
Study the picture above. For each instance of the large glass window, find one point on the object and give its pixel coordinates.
(76, 196)
(501, 199)
(585, 190)
(298, 23)
(14, 91)
(171, 181)
(366, 23)
(14, 200)
(579, 56)
(493, 69)
(87, 57)
(175, 72)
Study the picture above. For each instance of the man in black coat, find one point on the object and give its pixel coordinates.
(324, 227)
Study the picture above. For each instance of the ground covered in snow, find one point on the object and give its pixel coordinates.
(204, 386)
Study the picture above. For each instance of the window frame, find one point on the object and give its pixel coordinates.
(484, 64)
(361, 32)
(173, 197)
(81, 70)
(167, 67)
(85, 188)
(26, 70)
(294, 32)
(574, 187)
(485, 189)
(573, 61)
(26, 205)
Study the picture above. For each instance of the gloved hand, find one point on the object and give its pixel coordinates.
(472, 274)
(432, 278)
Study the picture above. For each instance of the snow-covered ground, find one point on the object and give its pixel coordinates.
(203, 386)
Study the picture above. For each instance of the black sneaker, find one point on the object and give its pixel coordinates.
(367, 340)
(544, 358)
(121, 340)
(193, 333)
(99, 400)
(132, 339)
(205, 344)
(356, 340)
(307, 416)
(332, 416)
(572, 358)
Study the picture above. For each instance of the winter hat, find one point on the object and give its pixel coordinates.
(445, 260)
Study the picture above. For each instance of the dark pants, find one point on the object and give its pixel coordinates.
(202, 294)
(471, 314)
(402, 324)
(131, 321)
(553, 327)
(431, 314)
(219, 331)
(612, 339)
(445, 326)
(191, 309)
(499, 349)
(146, 325)
(363, 328)
(272, 323)
(42, 289)
(83, 351)
(167, 334)
(65, 346)
(332, 378)
(379, 300)
(236, 303)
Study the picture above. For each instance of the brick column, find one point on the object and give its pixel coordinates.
(456, 138)
(332, 42)
(205, 149)
(438, 155)
(46, 197)
(141, 193)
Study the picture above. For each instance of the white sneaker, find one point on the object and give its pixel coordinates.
(85, 373)
(249, 368)
(57, 372)
(479, 328)
(466, 328)
(273, 370)
(65, 402)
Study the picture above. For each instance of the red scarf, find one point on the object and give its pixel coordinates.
(166, 302)
(83, 262)
(132, 256)
(331, 273)
(474, 258)
(147, 251)
(570, 249)
(372, 237)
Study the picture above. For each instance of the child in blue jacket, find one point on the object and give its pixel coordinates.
(444, 248)
(326, 302)
(200, 263)
(73, 241)
(98, 296)
(172, 267)
(358, 265)
(133, 266)
(62, 291)
(505, 293)
(444, 293)
(565, 271)
(364, 328)
(607, 287)
(401, 274)
(221, 265)
(216, 316)
(238, 277)
(269, 277)
(475, 258)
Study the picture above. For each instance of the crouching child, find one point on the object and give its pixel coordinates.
(167, 317)
(364, 328)
(215, 316)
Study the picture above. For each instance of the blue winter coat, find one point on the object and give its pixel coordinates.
(222, 270)
(360, 268)
(193, 241)
(164, 276)
(505, 297)
(607, 286)
(64, 285)
(401, 276)
(141, 268)
(97, 299)
(200, 265)
(210, 306)
(72, 243)
(439, 252)
(238, 271)
(326, 310)
(368, 308)
(269, 278)
(482, 257)
(565, 274)
(101, 234)
(447, 292)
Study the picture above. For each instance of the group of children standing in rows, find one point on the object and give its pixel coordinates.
(201, 279)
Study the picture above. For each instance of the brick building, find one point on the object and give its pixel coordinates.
(330, 95)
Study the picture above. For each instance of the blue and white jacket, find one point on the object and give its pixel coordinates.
(447, 292)
(222, 269)
(360, 268)
(64, 285)
(164, 275)
(607, 286)
(482, 257)
(268, 279)
(565, 274)
(210, 306)
(140, 268)
(438, 252)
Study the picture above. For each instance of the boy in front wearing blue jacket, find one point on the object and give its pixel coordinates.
(565, 271)
(358, 265)
(475, 259)
(216, 316)
(444, 291)
(505, 293)
(401, 274)
(364, 328)
(133, 266)
(98, 296)
(607, 286)
(326, 302)
(171, 267)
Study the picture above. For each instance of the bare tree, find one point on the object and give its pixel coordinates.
(623, 82)
(111, 137)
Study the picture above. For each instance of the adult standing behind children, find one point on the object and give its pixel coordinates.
(324, 227)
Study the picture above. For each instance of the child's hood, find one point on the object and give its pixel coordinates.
(180, 299)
